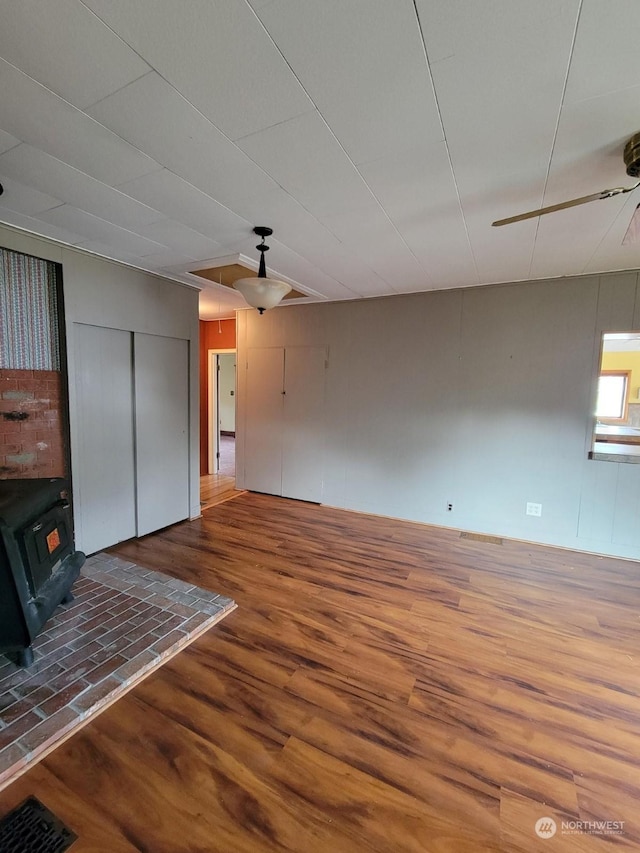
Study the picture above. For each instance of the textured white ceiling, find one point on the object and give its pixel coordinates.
(378, 138)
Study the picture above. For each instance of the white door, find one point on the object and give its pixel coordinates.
(103, 452)
(222, 402)
(263, 411)
(214, 416)
(227, 392)
(162, 431)
(303, 423)
(284, 421)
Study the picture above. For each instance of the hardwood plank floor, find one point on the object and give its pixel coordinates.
(217, 488)
(383, 686)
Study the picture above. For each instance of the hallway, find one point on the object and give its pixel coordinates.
(220, 487)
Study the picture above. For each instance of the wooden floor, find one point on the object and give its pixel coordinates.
(383, 686)
(217, 488)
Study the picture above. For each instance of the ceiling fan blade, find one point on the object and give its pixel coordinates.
(633, 231)
(574, 202)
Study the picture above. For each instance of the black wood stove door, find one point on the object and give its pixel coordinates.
(38, 563)
(45, 543)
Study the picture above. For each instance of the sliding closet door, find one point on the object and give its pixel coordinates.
(302, 424)
(104, 486)
(263, 410)
(162, 431)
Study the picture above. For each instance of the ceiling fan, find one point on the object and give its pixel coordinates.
(631, 157)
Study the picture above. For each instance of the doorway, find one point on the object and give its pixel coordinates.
(222, 412)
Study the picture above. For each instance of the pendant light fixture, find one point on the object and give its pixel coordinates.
(262, 292)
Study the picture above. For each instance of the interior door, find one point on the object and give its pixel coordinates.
(263, 427)
(161, 430)
(227, 392)
(103, 451)
(303, 432)
(221, 402)
(215, 415)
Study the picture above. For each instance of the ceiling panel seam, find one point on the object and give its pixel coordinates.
(208, 120)
(342, 148)
(555, 132)
(444, 137)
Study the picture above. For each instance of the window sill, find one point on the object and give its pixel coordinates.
(610, 452)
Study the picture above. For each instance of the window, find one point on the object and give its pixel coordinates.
(613, 395)
(616, 432)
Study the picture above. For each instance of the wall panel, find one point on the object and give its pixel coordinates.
(108, 295)
(161, 370)
(261, 467)
(481, 397)
(104, 481)
(303, 423)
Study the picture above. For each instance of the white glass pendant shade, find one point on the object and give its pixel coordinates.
(262, 293)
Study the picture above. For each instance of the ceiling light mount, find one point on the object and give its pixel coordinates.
(262, 292)
(264, 232)
(631, 156)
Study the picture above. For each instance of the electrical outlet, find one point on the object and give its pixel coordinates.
(449, 507)
(534, 509)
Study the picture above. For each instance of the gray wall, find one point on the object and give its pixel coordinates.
(107, 294)
(479, 397)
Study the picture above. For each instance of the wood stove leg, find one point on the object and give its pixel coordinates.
(68, 598)
(24, 657)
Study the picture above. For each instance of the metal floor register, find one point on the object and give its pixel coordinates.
(32, 828)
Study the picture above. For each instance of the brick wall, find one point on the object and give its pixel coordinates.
(31, 424)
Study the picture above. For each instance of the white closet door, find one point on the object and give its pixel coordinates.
(103, 454)
(161, 430)
(303, 431)
(263, 410)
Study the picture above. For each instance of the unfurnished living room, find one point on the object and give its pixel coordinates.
(320, 419)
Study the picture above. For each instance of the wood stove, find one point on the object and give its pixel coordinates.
(38, 561)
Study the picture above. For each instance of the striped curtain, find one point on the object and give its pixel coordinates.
(29, 334)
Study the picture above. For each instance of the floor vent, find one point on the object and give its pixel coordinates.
(480, 537)
(32, 828)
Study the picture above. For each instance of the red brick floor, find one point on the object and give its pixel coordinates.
(124, 622)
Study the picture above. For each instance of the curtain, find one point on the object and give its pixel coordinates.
(29, 334)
